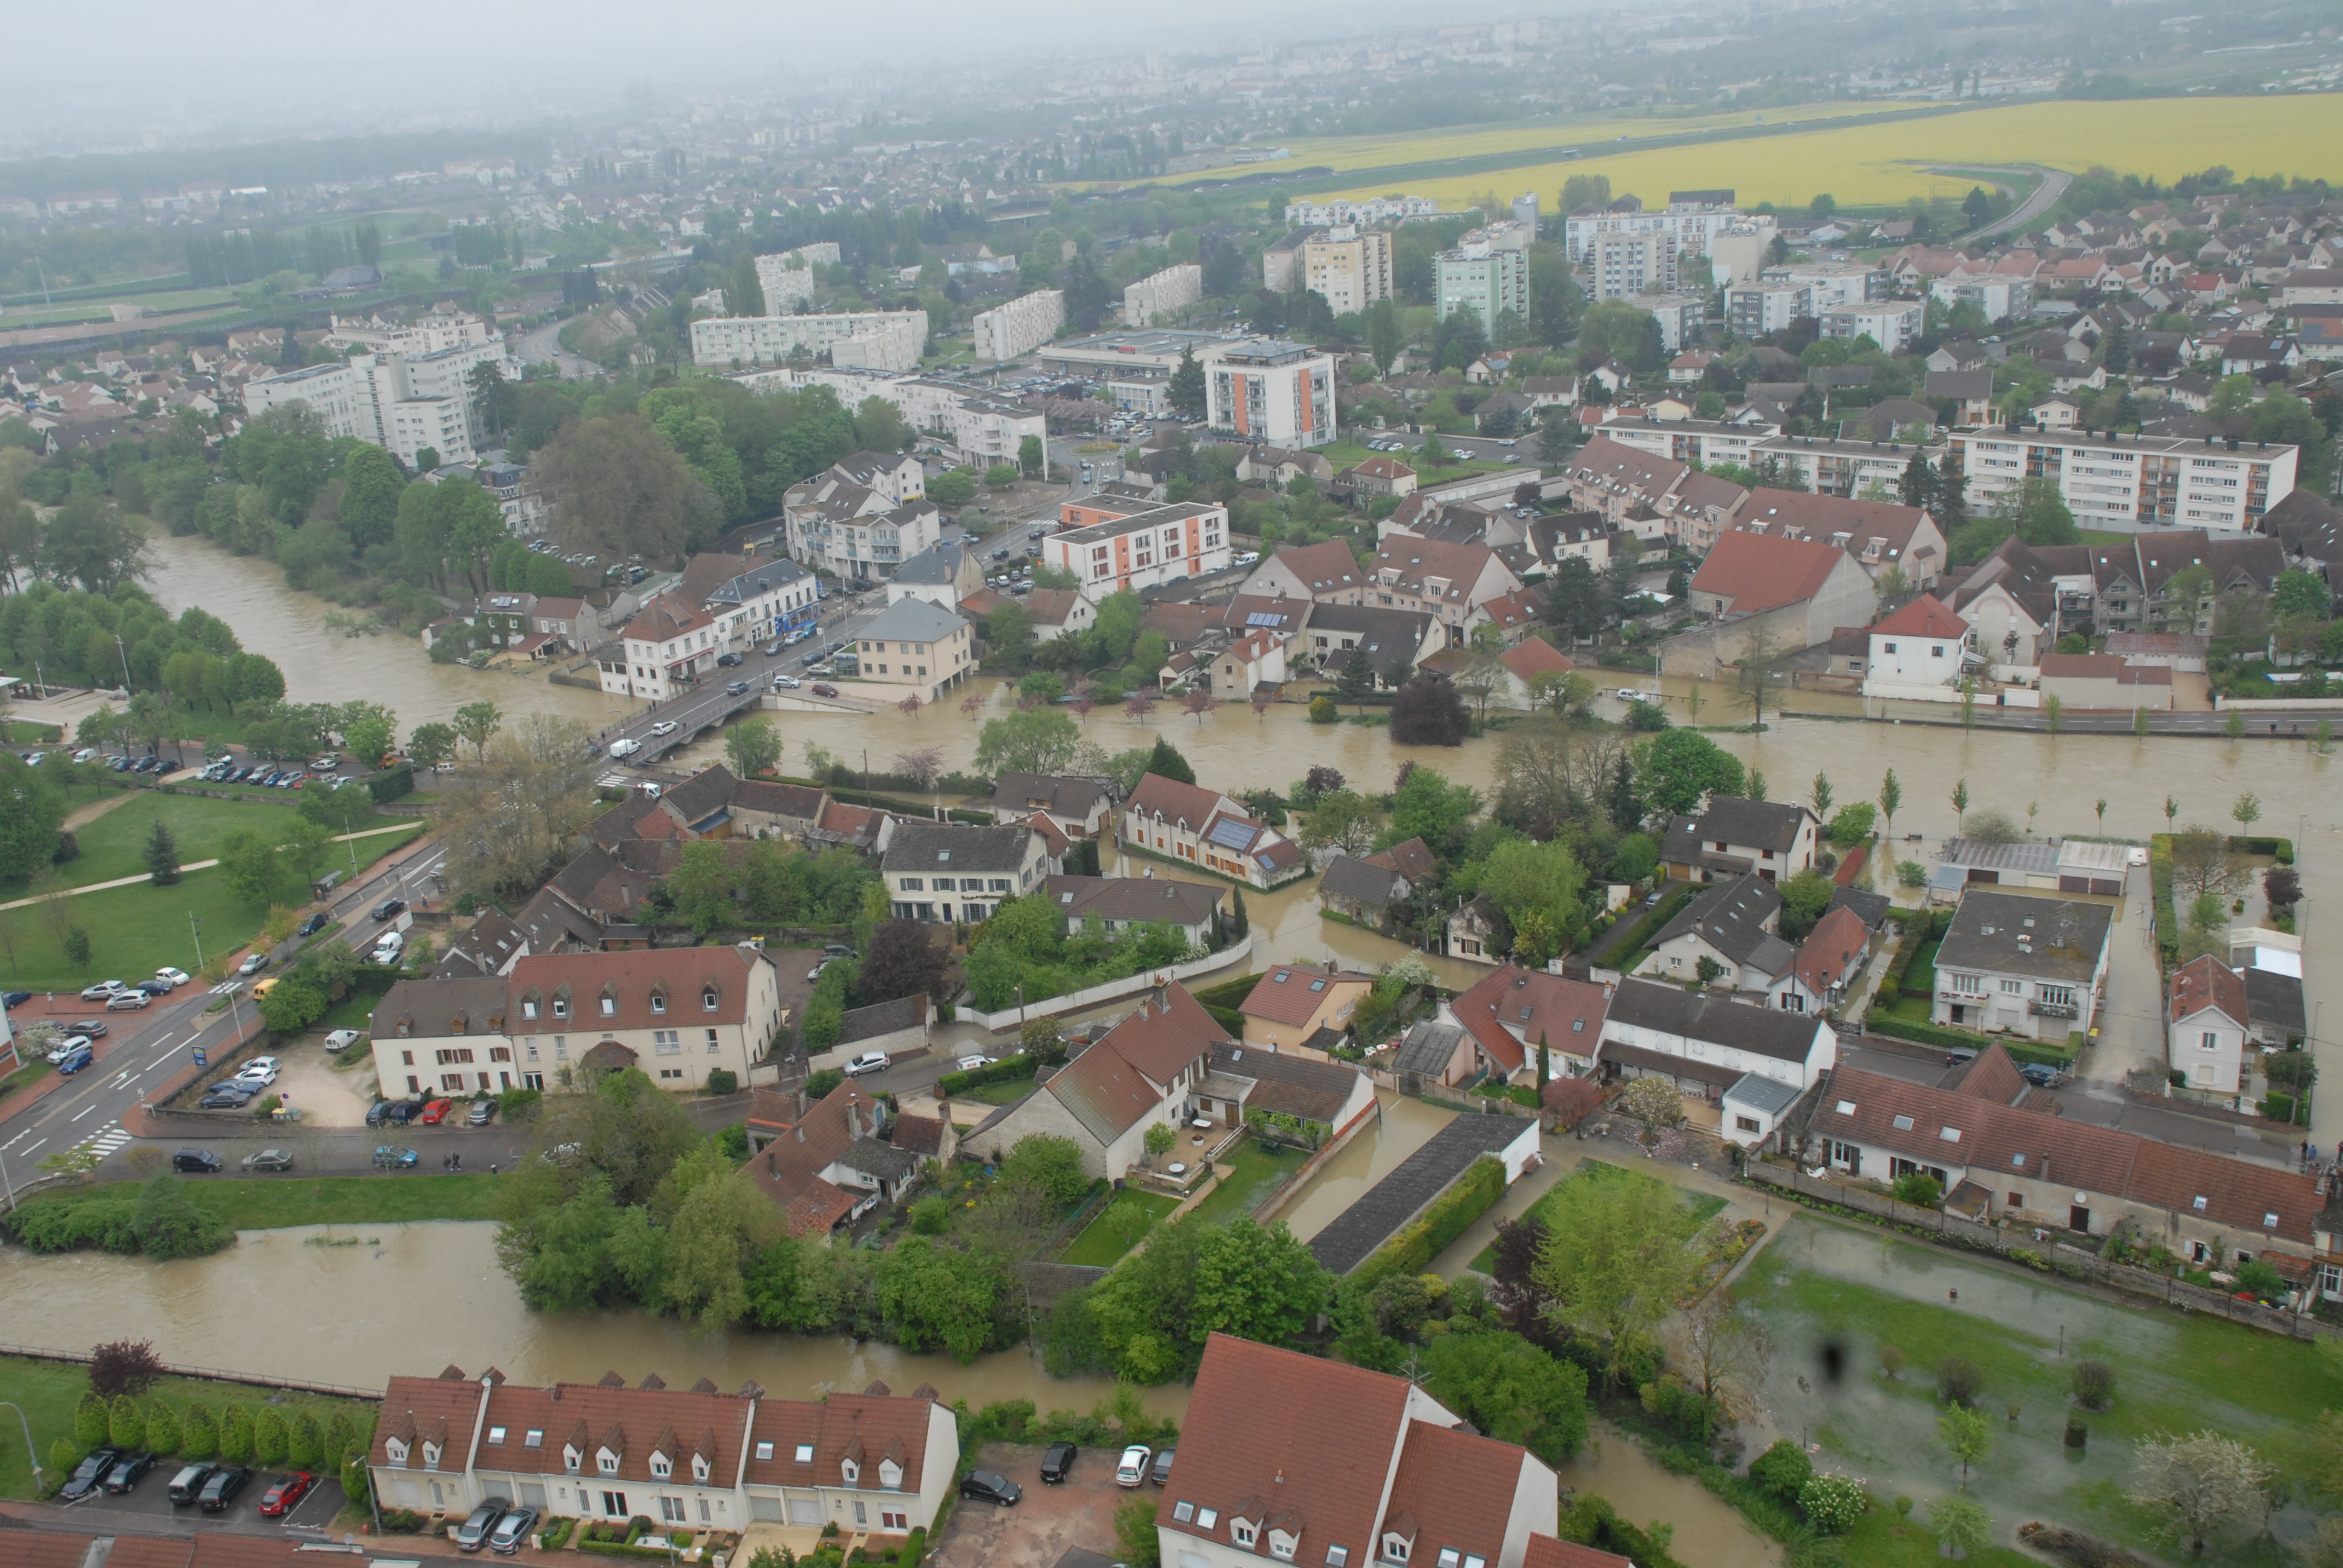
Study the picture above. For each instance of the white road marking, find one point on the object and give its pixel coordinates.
(84, 1110)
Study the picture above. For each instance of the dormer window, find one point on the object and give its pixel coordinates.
(659, 1004)
(571, 1459)
(609, 1006)
(708, 1002)
(430, 1456)
(529, 1010)
(561, 1007)
(607, 1462)
(661, 1467)
(1396, 1548)
(851, 1471)
(700, 1467)
(395, 1449)
(1240, 1532)
(1282, 1545)
(891, 1474)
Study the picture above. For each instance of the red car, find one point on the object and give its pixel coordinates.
(823, 689)
(288, 1491)
(434, 1113)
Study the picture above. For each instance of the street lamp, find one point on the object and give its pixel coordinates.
(196, 927)
(31, 1453)
(126, 663)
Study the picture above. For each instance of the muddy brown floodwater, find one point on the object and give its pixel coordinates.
(1234, 749)
(279, 1306)
(1709, 1532)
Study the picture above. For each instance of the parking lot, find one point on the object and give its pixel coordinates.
(149, 1502)
(1048, 1520)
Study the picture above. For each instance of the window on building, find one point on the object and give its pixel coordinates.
(805, 1454)
(659, 1004)
(1744, 1123)
(495, 1437)
(1338, 1557)
(1181, 1513)
(764, 1450)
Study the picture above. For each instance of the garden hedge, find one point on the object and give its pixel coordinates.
(1960, 1040)
(1451, 1214)
(1008, 1069)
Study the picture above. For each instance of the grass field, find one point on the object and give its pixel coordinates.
(50, 1390)
(137, 930)
(1254, 1174)
(1118, 1228)
(1832, 1295)
(1703, 1205)
(1882, 164)
(273, 1202)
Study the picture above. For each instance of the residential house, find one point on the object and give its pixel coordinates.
(1449, 582)
(2001, 1154)
(1197, 911)
(1253, 660)
(957, 874)
(1509, 1013)
(1733, 836)
(1081, 807)
(1277, 467)
(1829, 961)
(869, 1463)
(1882, 535)
(1920, 650)
(1375, 477)
(1146, 548)
(679, 1013)
(1297, 1082)
(1707, 1043)
(1756, 590)
(1326, 573)
(1475, 932)
(1729, 935)
(1396, 641)
(918, 648)
(1184, 822)
(1143, 1072)
(1059, 612)
(944, 574)
(670, 646)
(2085, 681)
(2022, 965)
(824, 1166)
(1306, 1009)
(1435, 1052)
(1969, 392)
(1390, 1476)
(2210, 1019)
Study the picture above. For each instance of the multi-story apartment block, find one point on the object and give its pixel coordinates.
(1621, 250)
(403, 402)
(2001, 299)
(1682, 318)
(1754, 309)
(1350, 266)
(859, 339)
(1375, 209)
(431, 331)
(1832, 467)
(1833, 283)
(1022, 325)
(788, 277)
(1172, 290)
(679, 1013)
(863, 516)
(1269, 390)
(1893, 324)
(1707, 442)
(2130, 482)
(969, 424)
(869, 1463)
(1488, 274)
(1142, 547)
(918, 647)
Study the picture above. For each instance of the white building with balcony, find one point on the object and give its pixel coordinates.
(1158, 544)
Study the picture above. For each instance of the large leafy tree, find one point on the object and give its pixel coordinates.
(1429, 711)
(619, 488)
(901, 959)
(1257, 1283)
(1041, 741)
(1676, 770)
(1511, 1391)
(1426, 806)
(1615, 1259)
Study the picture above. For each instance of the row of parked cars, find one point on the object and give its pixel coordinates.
(208, 1486)
(497, 1525)
(426, 1113)
(1138, 1465)
(250, 1082)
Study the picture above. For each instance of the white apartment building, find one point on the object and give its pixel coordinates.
(433, 331)
(1022, 325)
(1682, 318)
(969, 425)
(1893, 324)
(1376, 209)
(1488, 274)
(1621, 250)
(404, 403)
(2001, 299)
(1272, 391)
(2132, 482)
(1736, 253)
(1707, 442)
(1159, 293)
(862, 516)
(1844, 468)
(1833, 283)
(1752, 309)
(865, 339)
(1143, 549)
(1350, 266)
(917, 646)
(788, 277)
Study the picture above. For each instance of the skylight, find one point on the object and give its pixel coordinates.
(1902, 1125)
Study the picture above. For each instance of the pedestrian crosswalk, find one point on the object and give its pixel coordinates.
(106, 1139)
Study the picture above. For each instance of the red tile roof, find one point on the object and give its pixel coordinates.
(1758, 572)
(1546, 1552)
(1507, 1010)
(1926, 616)
(1158, 796)
(1328, 566)
(2207, 983)
(1833, 950)
(1115, 1083)
(1458, 1488)
(681, 977)
(1533, 656)
(867, 1428)
(1290, 995)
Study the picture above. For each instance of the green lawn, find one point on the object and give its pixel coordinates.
(115, 845)
(49, 1391)
(137, 930)
(1253, 1175)
(1703, 1205)
(1118, 1228)
(273, 1202)
(1883, 1539)
(1852, 1290)
(1004, 1094)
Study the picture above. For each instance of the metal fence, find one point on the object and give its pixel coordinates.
(208, 1374)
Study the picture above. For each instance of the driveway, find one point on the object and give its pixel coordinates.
(1038, 1531)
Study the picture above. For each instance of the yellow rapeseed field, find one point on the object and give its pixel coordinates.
(1873, 164)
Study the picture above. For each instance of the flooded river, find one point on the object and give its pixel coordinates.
(1709, 1532)
(351, 1314)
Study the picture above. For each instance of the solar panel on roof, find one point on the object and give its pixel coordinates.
(1262, 617)
(1231, 835)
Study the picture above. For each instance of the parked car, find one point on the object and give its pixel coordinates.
(727, 661)
(473, 1534)
(837, 950)
(101, 991)
(1057, 1462)
(221, 1489)
(1131, 1471)
(386, 1157)
(170, 976)
(229, 1096)
(188, 1483)
(89, 1475)
(254, 964)
(76, 1059)
(387, 909)
(127, 1002)
(14, 998)
(269, 1160)
(664, 727)
(869, 1062)
(342, 1040)
(434, 1113)
(94, 1028)
(823, 689)
(287, 1491)
(402, 1111)
(317, 922)
(260, 1069)
(196, 1161)
(512, 1530)
(483, 1112)
(153, 988)
(1161, 1474)
(990, 1486)
(1248, 557)
(66, 1047)
(127, 1471)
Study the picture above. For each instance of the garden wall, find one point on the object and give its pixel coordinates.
(1112, 991)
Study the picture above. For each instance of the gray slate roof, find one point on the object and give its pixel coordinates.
(2064, 940)
(1428, 1049)
(1703, 1015)
(1348, 877)
(1869, 907)
(1294, 1085)
(1770, 1095)
(938, 566)
(2274, 999)
(882, 1017)
(920, 846)
(911, 620)
(1353, 1235)
(1731, 917)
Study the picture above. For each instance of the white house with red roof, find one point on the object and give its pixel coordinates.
(1827, 961)
(1507, 1014)
(697, 1459)
(1296, 1459)
(1204, 828)
(2209, 1020)
(669, 646)
(1921, 652)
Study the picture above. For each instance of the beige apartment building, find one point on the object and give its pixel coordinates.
(1350, 266)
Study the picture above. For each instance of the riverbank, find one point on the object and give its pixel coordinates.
(282, 1203)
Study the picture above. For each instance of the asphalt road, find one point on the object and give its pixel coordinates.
(543, 346)
(147, 1509)
(148, 1047)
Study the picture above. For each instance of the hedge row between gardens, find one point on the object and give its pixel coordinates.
(1451, 1214)
(1007, 1069)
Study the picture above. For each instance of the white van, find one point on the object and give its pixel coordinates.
(625, 748)
(386, 952)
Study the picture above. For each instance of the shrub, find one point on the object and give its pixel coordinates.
(305, 1445)
(929, 1216)
(1911, 874)
(397, 783)
(722, 1081)
(1888, 993)
(1322, 710)
(2094, 1384)
(124, 1366)
(1891, 1360)
(64, 1455)
(125, 1425)
(1783, 1470)
(2257, 1277)
(235, 1434)
(1918, 1189)
(270, 1435)
(1681, 1408)
(1958, 1381)
(820, 1082)
(162, 1428)
(1833, 1503)
(199, 1434)
(92, 1422)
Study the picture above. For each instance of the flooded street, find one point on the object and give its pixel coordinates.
(354, 1315)
(1403, 1128)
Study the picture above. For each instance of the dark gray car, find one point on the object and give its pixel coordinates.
(513, 1529)
(473, 1534)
